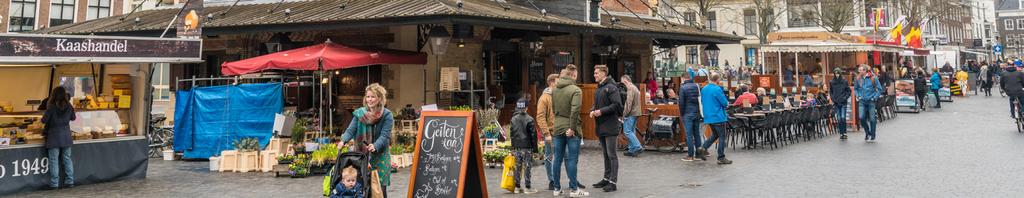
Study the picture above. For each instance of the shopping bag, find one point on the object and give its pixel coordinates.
(376, 191)
(508, 179)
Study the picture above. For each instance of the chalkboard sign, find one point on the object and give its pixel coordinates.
(447, 161)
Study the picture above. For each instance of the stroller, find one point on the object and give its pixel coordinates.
(357, 160)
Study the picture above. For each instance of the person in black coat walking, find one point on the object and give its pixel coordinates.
(920, 89)
(57, 118)
(606, 112)
(839, 93)
(524, 142)
(1012, 82)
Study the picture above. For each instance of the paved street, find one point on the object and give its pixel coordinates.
(970, 148)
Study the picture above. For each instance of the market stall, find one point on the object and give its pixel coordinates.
(108, 79)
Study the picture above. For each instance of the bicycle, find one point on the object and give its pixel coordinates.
(159, 137)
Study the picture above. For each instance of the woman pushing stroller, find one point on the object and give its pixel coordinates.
(370, 131)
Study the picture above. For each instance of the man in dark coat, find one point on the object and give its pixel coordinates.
(1012, 83)
(606, 112)
(689, 108)
(920, 89)
(839, 93)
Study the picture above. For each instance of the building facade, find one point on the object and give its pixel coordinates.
(1010, 26)
(29, 15)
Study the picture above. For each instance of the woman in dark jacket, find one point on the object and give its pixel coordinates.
(375, 119)
(58, 117)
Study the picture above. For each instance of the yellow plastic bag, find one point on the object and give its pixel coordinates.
(508, 179)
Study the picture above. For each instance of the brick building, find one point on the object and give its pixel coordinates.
(28, 15)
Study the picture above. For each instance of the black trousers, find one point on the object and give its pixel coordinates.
(611, 158)
(921, 99)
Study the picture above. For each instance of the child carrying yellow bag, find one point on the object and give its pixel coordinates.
(508, 180)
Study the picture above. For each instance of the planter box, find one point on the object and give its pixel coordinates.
(228, 160)
(248, 161)
(168, 155)
(408, 159)
(267, 161)
(214, 163)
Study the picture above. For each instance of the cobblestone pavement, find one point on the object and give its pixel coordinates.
(967, 149)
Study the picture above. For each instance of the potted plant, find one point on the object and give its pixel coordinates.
(285, 159)
(299, 167)
(397, 158)
(299, 130)
(495, 157)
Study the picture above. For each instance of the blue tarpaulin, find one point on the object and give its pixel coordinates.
(208, 120)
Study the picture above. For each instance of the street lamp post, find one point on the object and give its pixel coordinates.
(439, 38)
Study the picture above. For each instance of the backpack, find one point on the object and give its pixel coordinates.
(623, 94)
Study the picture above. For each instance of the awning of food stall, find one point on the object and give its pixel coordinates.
(827, 46)
(915, 52)
(22, 49)
(331, 55)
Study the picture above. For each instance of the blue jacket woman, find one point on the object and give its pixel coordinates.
(936, 81)
(374, 118)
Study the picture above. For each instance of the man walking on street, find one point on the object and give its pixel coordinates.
(566, 100)
(1012, 82)
(689, 108)
(868, 91)
(630, 111)
(839, 93)
(714, 102)
(546, 122)
(606, 112)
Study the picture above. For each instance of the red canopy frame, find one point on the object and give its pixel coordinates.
(324, 56)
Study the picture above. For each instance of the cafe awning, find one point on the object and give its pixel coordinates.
(331, 55)
(818, 46)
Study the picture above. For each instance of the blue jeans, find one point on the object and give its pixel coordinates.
(692, 127)
(65, 154)
(840, 109)
(867, 118)
(567, 149)
(547, 163)
(629, 129)
(718, 133)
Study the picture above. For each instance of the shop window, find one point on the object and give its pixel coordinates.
(161, 82)
(98, 9)
(22, 15)
(750, 21)
(62, 12)
(711, 21)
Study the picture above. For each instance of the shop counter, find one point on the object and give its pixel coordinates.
(24, 167)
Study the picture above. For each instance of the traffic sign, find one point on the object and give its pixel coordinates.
(998, 49)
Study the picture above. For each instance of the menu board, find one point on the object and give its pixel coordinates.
(447, 161)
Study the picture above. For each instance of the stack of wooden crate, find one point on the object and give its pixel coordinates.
(450, 79)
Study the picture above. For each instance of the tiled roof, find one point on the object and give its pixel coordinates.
(320, 12)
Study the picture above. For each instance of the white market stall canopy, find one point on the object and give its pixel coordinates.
(817, 46)
(54, 49)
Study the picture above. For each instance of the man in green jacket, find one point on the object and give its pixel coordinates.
(566, 100)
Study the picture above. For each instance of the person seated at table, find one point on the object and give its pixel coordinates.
(748, 97)
(672, 96)
(810, 100)
(659, 98)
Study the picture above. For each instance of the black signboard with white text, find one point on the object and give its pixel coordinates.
(448, 160)
(25, 167)
(34, 48)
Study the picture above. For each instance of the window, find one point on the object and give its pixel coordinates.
(98, 9)
(711, 21)
(594, 11)
(23, 15)
(62, 12)
(1020, 24)
(1008, 24)
(690, 17)
(804, 13)
(750, 21)
(161, 82)
(691, 53)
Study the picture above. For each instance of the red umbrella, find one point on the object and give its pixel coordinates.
(331, 55)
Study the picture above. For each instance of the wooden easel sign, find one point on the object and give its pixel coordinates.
(447, 161)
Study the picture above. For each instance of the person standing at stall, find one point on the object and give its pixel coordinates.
(839, 94)
(546, 123)
(566, 101)
(868, 91)
(57, 118)
(936, 81)
(606, 112)
(714, 103)
(373, 121)
(920, 88)
(689, 109)
(630, 111)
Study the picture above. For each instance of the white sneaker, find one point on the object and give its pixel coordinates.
(517, 191)
(529, 191)
(557, 193)
(579, 193)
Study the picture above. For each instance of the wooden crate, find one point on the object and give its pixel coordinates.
(228, 160)
(450, 79)
(267, 161)
(248, 161)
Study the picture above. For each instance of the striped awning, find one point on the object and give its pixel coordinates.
(828, 46)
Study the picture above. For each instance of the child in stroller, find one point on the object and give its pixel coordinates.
(349, 177)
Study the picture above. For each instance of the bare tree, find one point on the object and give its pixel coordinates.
(919, 11)
(768, 14)
(701, 7)
(837, 14)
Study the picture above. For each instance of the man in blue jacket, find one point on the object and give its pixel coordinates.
(936, 81)
(689, 108)
(868, 90)
(714, 102)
